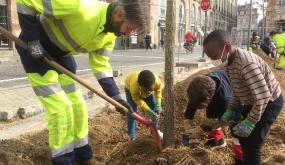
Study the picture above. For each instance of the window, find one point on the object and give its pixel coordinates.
(4, 42)
(199, 17)
(181, 12)
(193, 15)
(162, 8)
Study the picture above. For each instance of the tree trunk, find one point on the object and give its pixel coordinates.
(169, 138)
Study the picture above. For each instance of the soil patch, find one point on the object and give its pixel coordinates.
(110, 143)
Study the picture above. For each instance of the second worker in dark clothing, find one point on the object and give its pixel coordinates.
(213, 92)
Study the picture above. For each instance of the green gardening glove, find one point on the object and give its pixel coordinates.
(244, 128)
(152, 115)
(157, 108)
(228, 115)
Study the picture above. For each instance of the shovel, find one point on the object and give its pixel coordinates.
(143, 120)
(275, 61)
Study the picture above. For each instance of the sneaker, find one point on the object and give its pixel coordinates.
(237, 149)
(216, 134)
(213, 144)
(132, 139)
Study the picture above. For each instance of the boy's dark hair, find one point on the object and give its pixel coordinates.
(267, 40)
(133, 11)
(218, 36)
(272, 33)
(146, 78)
(201, 88)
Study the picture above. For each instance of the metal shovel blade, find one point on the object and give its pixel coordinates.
(155, 136)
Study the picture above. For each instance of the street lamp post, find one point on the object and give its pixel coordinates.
(249, 25)
(264, 21)
(159, 34)
(262, 28)
(179, 42)
(205, 31)
(205, 5)
(202, 59)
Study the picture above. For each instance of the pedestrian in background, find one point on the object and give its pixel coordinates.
(147, 42)
(162, 43)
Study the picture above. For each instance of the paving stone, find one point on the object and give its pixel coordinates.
(6, 116)
(29, 111)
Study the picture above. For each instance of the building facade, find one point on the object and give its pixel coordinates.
(241, 32)
(189, 17)
(9, 21)
(275, 14)
(223, 14)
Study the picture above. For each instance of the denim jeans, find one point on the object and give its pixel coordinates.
(252, 145)
(150, 101)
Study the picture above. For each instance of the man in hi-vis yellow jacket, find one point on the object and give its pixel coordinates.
(58, 29)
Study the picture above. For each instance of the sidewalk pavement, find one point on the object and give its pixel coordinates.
(9, 59)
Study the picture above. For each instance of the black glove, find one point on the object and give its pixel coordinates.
(36, 49)
(125, 104)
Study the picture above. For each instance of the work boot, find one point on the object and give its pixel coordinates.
(66, 159)
(216, 139)
(83, 155)
(84, 163)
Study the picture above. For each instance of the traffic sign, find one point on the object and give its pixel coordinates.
(205, 5)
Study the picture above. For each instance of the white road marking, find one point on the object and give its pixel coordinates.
(13, 79)
(162, 57)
